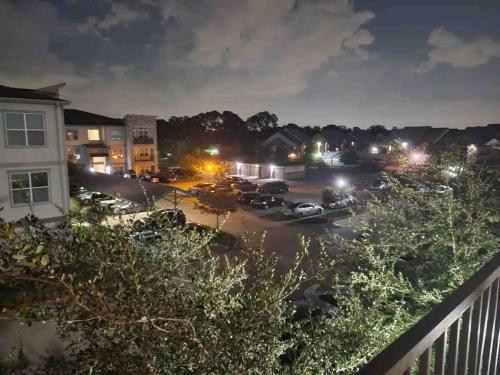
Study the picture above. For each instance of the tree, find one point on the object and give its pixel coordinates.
(203, 164)
(129, 307)
(349, 157)
(217, 203)
(262, 122)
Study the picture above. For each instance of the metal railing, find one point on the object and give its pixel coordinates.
(143, 140)
(459, 336)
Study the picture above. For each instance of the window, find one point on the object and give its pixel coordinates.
(142, 133)
(144, 153)
(29, 187)
(93, 135)
(116, 134)
(25, 129)
(72, 135)
(117, 152)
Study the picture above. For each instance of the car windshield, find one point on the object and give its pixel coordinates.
(294, 205)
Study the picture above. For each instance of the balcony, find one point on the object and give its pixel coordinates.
(461, 335)
(143, 140)
(144, 158)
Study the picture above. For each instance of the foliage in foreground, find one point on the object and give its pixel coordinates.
(175, 308)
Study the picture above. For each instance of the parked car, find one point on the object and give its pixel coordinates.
(233, 179)
(266, 201)
(146, 177)
(161, 218)
(130, 173)
(381, 185)
(342, 200)
(147, 236)
(274, 187)
(93, 196)
(442, 189)
(167, 177)
(75, 189)
(106, 202)
(126, 207)
(247, 197)
(419, 187)
(302, 209)
(315, 302)
(201, 189)
(244, 186)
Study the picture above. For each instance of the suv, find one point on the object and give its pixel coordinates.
(274, 187)
(247, 197)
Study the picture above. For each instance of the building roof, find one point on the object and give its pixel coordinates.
(291, 136)
(78, 117)
(418, 135)
(477, 135)
(32, 94)
(337, 136)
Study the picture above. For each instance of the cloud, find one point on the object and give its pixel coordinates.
(119, 15)
(269, 47)
(448, 48)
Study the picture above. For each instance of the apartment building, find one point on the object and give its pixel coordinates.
(33, 164)
(111, 145)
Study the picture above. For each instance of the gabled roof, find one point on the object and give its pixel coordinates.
(19, 93)
(418, 135)
(337, 136)
(291, 136)
(477, 135)
(78, 117)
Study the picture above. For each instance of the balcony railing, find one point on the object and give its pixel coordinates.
(145, 158)
(143, 140)
(459, 336)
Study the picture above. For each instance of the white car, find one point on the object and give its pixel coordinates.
(302, 209)
(201, 189)
(108, 202)
(442, 189)
(126, 207)
(342, 201)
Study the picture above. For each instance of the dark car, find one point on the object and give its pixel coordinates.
(130, 174)
(248, 197)
(267, 201)
(274, 187)
(381, 185)
(167, 176)
(244, 186)
(161, 218)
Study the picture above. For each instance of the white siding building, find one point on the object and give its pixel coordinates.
(33, 163)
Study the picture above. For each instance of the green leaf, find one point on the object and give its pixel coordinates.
(39, 249)
(19, 257)
(45, 260)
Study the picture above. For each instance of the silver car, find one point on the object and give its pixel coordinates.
(342, 201)
(302, 209)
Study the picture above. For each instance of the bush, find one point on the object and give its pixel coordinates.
(329, 195)
(349, 157)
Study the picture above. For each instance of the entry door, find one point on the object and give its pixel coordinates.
(99, 164)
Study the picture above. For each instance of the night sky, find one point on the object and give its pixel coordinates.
(316, 62)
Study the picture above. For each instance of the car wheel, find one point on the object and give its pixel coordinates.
(319, 211)
(350, 203)
(123, 212)
(301, 214)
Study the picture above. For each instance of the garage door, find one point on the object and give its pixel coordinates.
(244, 169)
(278, 173)
(254, 171)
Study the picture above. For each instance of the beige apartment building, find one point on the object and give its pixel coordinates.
(33, 164)
(111, 145)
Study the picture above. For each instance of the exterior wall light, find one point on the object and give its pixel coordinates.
(374, 150)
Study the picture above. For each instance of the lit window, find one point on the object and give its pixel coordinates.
(25, 129)
(117, 152)
(72, 135)
(144, 153)
(93, 135)
(29, 187)
(116, 134)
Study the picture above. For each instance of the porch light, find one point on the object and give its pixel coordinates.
(319, 146)
(404, 145)
(92, 169)
(341, 182)
(108, 169)
(374, 150)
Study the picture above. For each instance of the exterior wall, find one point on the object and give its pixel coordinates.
(267, 171)
(51, 158)
(133, 161)
(114, 163)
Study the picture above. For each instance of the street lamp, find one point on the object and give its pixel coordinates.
(341, 183)
(319, 146)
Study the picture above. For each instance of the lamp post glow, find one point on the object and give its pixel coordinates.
(374, 150)
(416, 157)
(238, 167)
(404, 145)
(271, 171)
(319, 146)
(341, 183)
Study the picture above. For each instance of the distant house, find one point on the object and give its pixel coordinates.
(477, 136)
(33, 165)
(111, 145)
(424, 138)
(289, 141)
(334, 139)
